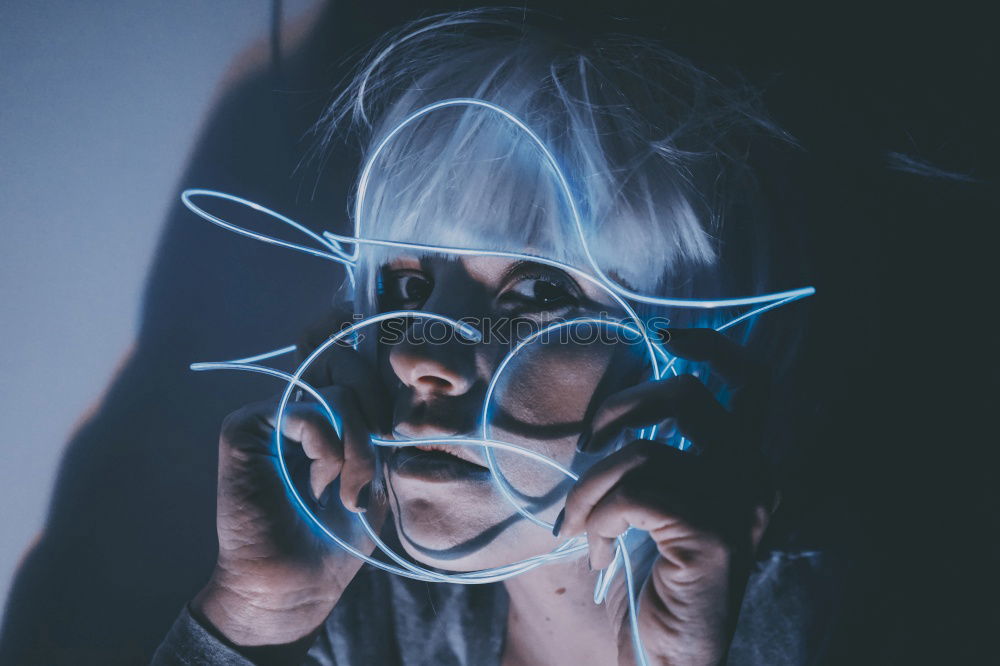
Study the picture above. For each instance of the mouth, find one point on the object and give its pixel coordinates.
(437, 462)
(462, 452)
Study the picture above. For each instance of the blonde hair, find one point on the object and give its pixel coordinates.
(652, 147)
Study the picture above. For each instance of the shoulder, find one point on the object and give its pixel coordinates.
(787, 609)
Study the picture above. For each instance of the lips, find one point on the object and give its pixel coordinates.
(418, 420)
(463, 452)
(435, 463)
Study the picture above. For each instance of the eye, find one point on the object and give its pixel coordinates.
(540, 292)
(403, 290)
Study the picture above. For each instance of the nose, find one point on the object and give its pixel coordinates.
(433, 368)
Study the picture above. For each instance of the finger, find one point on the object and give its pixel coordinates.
(697, 414)
(312, 429)
(601, 551)
(359, 455)
(748, 380)
(677, 540)
(349, 455)
(726, 358)
(597, 481)
(615, 513)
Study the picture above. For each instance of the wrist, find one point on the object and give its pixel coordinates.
(252, 618)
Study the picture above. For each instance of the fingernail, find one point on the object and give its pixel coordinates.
(364, 496)
(556, 526)
(581, 444)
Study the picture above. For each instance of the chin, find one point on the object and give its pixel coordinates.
(447, 549)
(469, 543)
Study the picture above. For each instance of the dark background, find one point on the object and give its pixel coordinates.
(897, 375)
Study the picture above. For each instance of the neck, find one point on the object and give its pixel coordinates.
(552, 618)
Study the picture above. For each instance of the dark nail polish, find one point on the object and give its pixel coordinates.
(581, 444)
(364, 496)
(556, 526)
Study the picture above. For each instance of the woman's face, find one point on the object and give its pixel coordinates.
(449, 511)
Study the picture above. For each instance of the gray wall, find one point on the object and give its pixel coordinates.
(100, 103)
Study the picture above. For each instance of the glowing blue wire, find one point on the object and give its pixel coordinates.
(462, 327)
(337, 254)
(501, 480)
(568, 199)
(335, 243)
(633, 604)
(754, 313)
(489, 575)
(410, 570)
(608, 286)
(486, 575)
(265, 356)
(497, 574)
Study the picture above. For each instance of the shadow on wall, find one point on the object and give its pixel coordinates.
(130, 533)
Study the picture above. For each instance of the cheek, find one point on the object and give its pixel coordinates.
(541, 403)
(553, 385)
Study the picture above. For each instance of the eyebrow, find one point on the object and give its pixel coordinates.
(514, 268)
(520, 265)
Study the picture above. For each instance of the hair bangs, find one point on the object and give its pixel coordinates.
(652, 149)
(465, 178)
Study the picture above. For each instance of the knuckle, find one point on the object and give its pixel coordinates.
(232, 422)
(243, 421)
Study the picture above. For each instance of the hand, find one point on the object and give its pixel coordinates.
(705, 512)
(276, 578)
